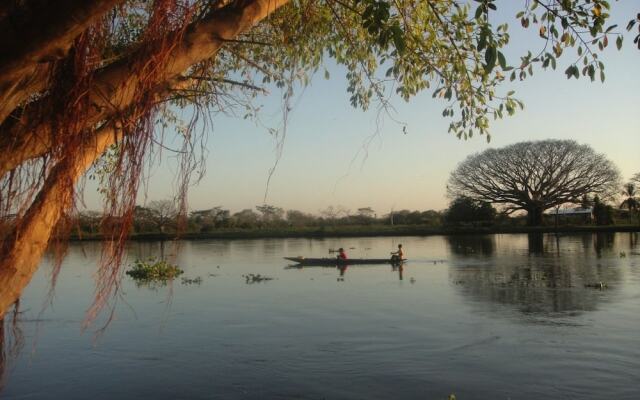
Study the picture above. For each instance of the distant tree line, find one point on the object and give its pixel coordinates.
(513, 185)
(162, 217)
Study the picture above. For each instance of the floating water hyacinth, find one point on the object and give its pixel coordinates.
(153, 270)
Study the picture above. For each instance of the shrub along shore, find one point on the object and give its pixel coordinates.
(363, 230)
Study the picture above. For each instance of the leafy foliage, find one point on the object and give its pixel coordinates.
(153, 270)
(602, 212)
(450, 48)
(467, 210)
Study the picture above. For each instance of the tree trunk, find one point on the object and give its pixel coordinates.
(25, 55)
(22, 250)
(534, 215)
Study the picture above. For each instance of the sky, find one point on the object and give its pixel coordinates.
(334, 155)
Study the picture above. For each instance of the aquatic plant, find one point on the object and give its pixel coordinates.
(253, 278)
(192, 281)
(153, 270)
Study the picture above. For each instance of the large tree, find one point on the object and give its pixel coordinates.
(534, 176)
(161, 213)
(78, 77)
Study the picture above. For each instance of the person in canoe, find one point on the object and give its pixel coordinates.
(341, 254)
(397, 256)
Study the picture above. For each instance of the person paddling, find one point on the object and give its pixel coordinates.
(341, 254)
(397, 256)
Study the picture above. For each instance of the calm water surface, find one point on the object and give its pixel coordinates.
(484, 317)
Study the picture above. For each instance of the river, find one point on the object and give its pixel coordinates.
(481, 317)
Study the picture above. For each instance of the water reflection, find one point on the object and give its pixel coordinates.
(342, 269)
(2, 353)
(322, 339)
(633, 240)
(399, 268)
(549, 279)
(11, 341)
(603, 241)
(472, 245)
(536, 243)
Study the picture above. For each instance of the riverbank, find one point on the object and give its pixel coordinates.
(361, 231)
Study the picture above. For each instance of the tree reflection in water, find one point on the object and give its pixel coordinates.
(548, 280)
(11, 341)
(472, 245)
(536, 243)
(633, 240)
(602, 242)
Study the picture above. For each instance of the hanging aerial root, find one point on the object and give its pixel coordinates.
(22, 249)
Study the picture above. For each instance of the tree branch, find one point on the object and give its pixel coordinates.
(115, 86)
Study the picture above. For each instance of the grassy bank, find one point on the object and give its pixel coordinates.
(364, 230)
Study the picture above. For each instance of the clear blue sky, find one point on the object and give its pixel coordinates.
(407, 171)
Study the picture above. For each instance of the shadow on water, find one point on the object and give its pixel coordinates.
(547, 280)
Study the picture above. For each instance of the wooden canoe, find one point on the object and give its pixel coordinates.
(302, 261)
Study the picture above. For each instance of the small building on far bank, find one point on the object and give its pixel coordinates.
(571, 215)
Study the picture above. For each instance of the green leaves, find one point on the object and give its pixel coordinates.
(397, 36)
(572, 71)
(490, 57)
(591, 71)
(483, 8)
(453, 47)
(379, 22)
(502, 61)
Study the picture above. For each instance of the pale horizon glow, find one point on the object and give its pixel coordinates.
(323, 161)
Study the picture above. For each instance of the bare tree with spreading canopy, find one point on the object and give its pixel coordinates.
(80, 77)
(534, 176)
